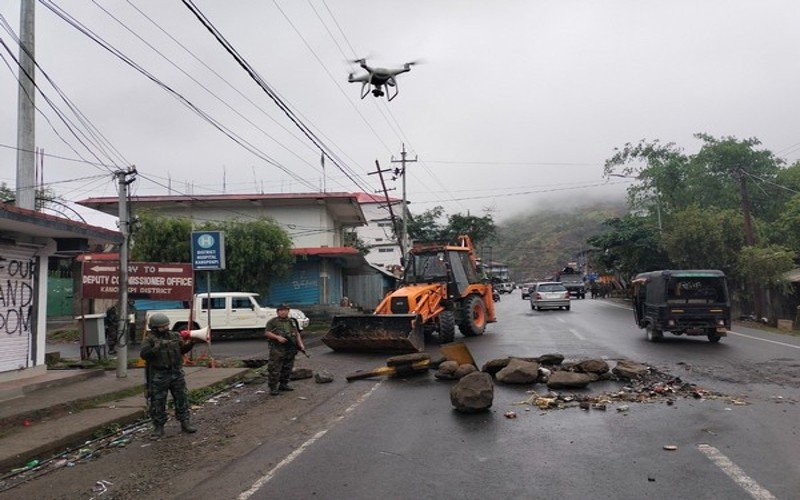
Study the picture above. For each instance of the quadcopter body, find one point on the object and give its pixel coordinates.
(379, 81)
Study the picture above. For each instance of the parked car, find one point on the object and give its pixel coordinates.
(691, 302)
(504, 287)
(549, 295)
(526, 289)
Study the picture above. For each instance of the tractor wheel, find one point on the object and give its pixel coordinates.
(447, 327)
(474, 317)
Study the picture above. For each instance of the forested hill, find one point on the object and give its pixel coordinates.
(535, 245)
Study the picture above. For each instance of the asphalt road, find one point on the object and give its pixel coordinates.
(401, 438)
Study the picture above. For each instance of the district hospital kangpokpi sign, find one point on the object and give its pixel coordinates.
(146, 280)
(208, 250)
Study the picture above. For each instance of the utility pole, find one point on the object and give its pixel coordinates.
(124, 228)
(26, 140)
(750, 237)
(403, 160)
(399, 237)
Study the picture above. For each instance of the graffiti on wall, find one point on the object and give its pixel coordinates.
(16, 296)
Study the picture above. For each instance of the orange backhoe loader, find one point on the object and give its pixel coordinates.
(442, 288)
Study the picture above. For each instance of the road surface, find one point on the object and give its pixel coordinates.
(401, 439)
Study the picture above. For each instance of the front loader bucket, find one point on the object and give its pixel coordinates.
(376, 333)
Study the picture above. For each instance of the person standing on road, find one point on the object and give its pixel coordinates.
(163, 352)
(283, 334)
(111, 324)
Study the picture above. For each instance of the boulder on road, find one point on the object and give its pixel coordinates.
(495, 365)
(519, 372)
(323, 377)
(447, 371)
(551, 359)
(464, 370)
(597, 366)
(630, 370)
(568, 380)
(473, 393)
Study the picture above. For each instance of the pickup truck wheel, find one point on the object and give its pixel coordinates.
(447, 327)
(653, 333)
(474, 317)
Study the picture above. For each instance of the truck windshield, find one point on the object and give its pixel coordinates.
(696, 290)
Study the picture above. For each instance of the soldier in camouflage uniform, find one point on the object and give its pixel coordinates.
(163, 351)
(283, 334)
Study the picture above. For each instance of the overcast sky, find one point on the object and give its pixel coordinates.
(517, 104)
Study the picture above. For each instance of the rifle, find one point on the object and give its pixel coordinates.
(148, 378)
(297, 346)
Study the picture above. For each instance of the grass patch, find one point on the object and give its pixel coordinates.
(66, 335)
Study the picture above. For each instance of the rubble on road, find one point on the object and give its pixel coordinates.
(473, 393)
(519, 372)
(630, 370)
(569, 380)
(323, 377)
(464, 370)
(447, 371)
(301, 373)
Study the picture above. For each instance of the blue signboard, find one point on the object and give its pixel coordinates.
(208, 250)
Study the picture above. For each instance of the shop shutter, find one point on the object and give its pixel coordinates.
(16, 306)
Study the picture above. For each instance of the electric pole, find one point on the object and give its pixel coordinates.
(397, 234)
(26, 141)
(123, 181)
(749, 237)
(403, 160)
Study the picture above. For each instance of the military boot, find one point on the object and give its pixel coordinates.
(274, 391)
(186, 427)
(285, 387)
(157, 432)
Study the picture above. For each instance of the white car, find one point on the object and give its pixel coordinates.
(549, 295)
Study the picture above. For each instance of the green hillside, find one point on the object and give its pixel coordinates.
(535, 245)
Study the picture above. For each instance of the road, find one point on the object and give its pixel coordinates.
(400, 438)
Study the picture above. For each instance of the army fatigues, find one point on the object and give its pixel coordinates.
(281, 356)
(163, 352)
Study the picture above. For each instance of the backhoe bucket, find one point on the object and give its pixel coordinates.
(376, 333)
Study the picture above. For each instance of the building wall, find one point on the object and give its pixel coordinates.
(307, 225)
(378, 236)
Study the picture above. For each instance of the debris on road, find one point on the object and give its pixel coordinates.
(519, 372)
(630, 370)
(510, 414)
(568, 380)
(447, 371)
(323, 377)
(407, 364)
(623, 408)
(670, 447)
(301, 373)
(473, 393)
(464, 370)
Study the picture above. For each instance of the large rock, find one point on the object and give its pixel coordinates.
(323, 377)
(551, 359)
(473, 393)
(446, 371)
(597, 366)
(519, 372)
(495, 365)
(630, 370)
(568, 380)
(464, 370)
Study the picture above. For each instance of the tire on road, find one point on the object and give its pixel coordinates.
(653, 333)
(713, 336)
(474, 317)
(447, 327)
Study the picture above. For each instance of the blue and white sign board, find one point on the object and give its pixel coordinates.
(208, 250)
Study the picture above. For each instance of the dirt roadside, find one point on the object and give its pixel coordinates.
(200, 465)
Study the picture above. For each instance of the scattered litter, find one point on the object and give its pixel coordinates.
(293, 418)
(213, 401)
(739, 402)
(26, 422)
(651, 479)
(728, 409)
(146, 445)
(670, 447)
(101, 486)
(623, 408)
(240, 384)
(510, 414)
(261, 392)
(599, 406)
(302, 397)
(70, 464)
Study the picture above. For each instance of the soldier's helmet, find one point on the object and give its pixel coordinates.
(283, 306)
(158, 320)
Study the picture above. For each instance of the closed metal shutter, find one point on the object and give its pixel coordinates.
(16, 306)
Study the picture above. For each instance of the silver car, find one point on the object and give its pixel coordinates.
(549, 295)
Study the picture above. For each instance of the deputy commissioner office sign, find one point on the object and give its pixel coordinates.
(146, 280)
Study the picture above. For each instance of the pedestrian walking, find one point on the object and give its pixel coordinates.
(283, 334)
(111, 326)
(163, 352)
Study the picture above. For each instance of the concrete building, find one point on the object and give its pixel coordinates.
(377, 234)
(317, 223)
(28, 239)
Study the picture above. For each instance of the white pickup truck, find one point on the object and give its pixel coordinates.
(233, 314)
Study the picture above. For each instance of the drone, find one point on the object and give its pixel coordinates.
(377, 79)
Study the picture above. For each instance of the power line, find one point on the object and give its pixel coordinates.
(532, 192)
(272, 94)
(183, 100)
(49, 155)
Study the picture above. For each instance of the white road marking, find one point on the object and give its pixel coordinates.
(575, 332)
(729, 331)
(561, 320)
(764, 340)
(296, 453)
(735, 472)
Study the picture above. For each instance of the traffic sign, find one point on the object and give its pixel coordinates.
(146, 280)
(208, 250)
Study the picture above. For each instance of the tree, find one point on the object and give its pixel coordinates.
(631, 246)
(786, 228)
(428, 227)
(45, 197)
(764, 265)
(161, 239)
(704, 239)
(257, 252)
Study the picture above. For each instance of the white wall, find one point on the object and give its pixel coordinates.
(378, 235)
